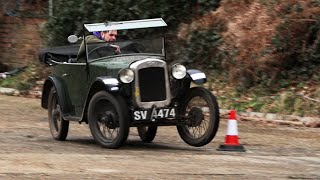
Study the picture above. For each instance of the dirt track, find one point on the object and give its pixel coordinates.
(27, 151)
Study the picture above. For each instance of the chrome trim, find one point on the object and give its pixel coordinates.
(147, 63)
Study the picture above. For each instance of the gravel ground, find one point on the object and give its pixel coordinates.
(273, 151)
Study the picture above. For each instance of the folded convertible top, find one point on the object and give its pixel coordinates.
(59, 53)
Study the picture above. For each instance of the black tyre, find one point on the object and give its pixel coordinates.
(202, 111)
(108, 119)
(58, 126)
(147, 133)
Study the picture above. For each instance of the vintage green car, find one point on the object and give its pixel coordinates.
(113, 92)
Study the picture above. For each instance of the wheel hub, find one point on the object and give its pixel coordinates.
(195, 117)
(109, 120)
(56, 115)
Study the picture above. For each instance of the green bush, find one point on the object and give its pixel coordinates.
(69, 15)
(25, 79)
(297, 45)
(200, 47)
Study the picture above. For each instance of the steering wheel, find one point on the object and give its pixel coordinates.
(102, 51)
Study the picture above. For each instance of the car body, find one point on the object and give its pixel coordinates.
(113, 92)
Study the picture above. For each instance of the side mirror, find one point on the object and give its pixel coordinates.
(73, 38)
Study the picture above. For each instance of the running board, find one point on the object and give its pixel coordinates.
(71, 118)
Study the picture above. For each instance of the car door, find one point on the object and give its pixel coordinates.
(74, 77)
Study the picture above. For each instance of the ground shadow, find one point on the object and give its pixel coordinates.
(135, 145)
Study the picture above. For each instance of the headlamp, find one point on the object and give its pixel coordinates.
(126, 75)
(178, 71)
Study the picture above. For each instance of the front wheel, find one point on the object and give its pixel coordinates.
(201, 109)
(108, 119)
(58, 126)
(147, 133)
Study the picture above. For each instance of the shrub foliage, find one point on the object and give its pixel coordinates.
(69, 15)
(291, 55)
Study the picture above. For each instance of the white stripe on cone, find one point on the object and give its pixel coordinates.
(232, 127)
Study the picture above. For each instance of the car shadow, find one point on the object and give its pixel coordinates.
(138, 145)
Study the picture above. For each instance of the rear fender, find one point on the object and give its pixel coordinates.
(63, 99)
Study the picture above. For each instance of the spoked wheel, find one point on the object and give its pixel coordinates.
(58, 126)
(108, 119)
(147, 133)
(202, 112)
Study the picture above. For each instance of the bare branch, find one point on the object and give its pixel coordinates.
(309, 98)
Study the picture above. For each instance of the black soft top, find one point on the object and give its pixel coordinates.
(65, 53)
(60, 53)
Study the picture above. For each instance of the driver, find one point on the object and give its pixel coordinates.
(103, 36)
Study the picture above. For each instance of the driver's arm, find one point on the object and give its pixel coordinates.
(82, 51)
(116, 47)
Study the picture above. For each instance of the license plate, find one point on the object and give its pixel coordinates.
(154, 114)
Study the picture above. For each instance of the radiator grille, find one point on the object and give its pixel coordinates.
(152, 84)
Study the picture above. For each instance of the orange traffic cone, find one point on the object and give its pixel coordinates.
(232, 141)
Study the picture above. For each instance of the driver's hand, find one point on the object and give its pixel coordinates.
(116, 47)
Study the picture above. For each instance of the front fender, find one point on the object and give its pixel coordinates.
(101, 83)
(63, 99)
(110, 84)
(197, 76)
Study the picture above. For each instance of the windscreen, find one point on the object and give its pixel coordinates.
(125, 47)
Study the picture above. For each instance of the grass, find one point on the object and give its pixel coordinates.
(288, 100)
(24, 80)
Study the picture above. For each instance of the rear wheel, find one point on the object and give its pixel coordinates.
(58, 126)
(201, 109)
(147, 133)
(108, 119)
